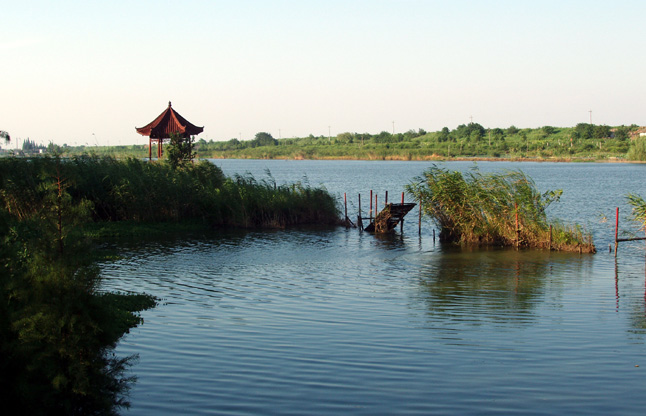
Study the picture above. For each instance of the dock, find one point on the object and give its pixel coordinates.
(392, 215)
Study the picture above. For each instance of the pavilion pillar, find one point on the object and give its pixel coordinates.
(150, 149)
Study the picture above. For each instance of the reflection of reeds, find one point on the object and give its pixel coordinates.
(500, 209)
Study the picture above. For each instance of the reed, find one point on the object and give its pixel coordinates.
(139, 191)
(638, 210)
(498, 209)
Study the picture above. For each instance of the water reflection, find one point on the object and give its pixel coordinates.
(630, 290)
(495, 285)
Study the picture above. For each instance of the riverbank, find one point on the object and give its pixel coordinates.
(436, 158)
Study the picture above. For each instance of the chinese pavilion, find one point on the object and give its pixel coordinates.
(161, 128)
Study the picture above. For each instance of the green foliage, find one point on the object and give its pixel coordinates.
(180, 150)
(639, 209)
(637, 149)
(583, 142)
(263, 139)
(476, 208)
(57, 332)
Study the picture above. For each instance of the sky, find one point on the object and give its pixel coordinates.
(89, 72)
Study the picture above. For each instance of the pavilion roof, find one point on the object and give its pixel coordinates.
(168, 122)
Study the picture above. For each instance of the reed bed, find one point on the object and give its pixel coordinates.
(139, 191)
(498, 209)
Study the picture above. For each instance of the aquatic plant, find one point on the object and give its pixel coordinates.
(499, 209)
(639, 209)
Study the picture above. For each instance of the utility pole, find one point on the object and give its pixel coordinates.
(590, 116)
(393, 127)
(471, 118)
(328, 134)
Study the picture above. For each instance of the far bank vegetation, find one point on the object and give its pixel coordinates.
(585, 141)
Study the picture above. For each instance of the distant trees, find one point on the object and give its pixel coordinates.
(585, 131)
(471, 131)
(444, 135)
(263, 139)
(31, 146)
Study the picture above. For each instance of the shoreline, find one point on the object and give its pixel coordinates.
(444, 159)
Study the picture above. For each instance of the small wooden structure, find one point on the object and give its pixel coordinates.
(167, 123)
(389, 217)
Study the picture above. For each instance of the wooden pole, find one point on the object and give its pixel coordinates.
(386, 202)
(419, 220)
(345, 200)
(370, 213)
(359, 220)
(359, 205)
(616, 230)
(401, 226)
(150, 149)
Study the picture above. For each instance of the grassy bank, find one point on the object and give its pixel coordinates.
(499, 209)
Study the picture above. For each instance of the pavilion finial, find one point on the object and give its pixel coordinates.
(169, 103)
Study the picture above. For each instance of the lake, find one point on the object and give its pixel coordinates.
(327, 320)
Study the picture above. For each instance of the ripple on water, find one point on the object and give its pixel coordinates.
(315, 322)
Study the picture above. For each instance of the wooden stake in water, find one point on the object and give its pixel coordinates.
(386, 202)
(616, 230)
(359, 219)
(419, 220)
(345, 200)
(370, 213)
(401, 226)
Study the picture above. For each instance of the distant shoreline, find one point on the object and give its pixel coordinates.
(444, 159)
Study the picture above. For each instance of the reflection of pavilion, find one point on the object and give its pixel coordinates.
(167, 123)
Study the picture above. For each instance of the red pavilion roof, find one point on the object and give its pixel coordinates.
(168, 122)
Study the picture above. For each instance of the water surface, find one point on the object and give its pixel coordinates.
(316, 321)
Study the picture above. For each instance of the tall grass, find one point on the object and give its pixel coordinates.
(637, 149)
(481, 209)
(135, 190)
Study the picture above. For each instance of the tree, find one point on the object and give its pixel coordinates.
(497, 134)
(180, 150)
(443, 135)
(622, 132)
(601, 132)
(583, 131)
(548, 130)
(263, 139)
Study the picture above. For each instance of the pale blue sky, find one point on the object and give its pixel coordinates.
(81, 72)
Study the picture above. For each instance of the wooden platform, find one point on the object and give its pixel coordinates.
(389, 217)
